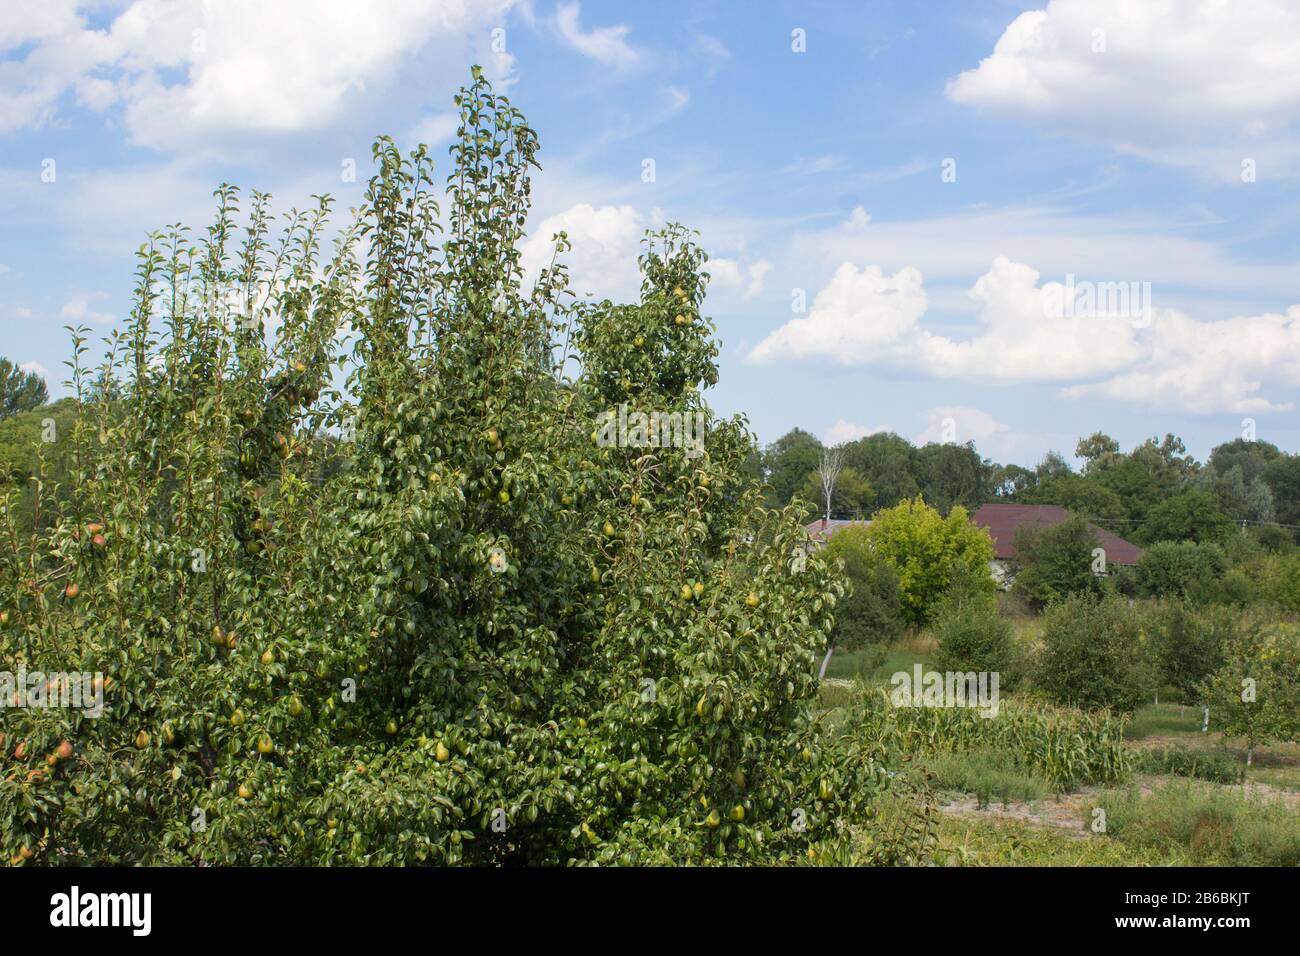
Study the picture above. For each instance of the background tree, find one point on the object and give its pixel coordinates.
(1056, 561)
(20, 391)
(926, 551)
(871, 612)
(828, 474)
(788, 462)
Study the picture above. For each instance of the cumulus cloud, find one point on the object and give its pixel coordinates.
(1196, 84)
(1155, 356)
(605, 239)
(1209, 367)
(856, 319)
(190, 68)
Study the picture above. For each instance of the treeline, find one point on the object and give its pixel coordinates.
(1153, 492)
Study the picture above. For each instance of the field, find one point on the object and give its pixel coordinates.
(1186, 798)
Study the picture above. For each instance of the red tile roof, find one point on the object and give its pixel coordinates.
(1003, 521)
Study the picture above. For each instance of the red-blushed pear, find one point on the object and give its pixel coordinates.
(72, 590)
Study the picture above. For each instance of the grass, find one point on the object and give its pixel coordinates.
(871, 665)
(1164, 720)
(1210, 826)
(986, 775)
(998, 842)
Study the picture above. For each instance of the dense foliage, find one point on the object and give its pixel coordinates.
(368, 586)
(927, 551)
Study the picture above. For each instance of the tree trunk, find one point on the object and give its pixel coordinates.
(1205, 727)
(821, 674)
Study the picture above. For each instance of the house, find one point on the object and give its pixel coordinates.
(821, 530)
(1003, 522)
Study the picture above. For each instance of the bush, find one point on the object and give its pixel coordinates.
(926, 551)
(1188, 645)
(489, 634)
(870, 613)
(1180, 569)
(1056, 561)
(1092, 654)
(1274, 538)
(972, 636)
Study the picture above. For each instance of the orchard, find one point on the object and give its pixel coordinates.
(364, 589)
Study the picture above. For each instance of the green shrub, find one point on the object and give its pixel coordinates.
(972, 636)
(1092, 654)
(1180, 568)
(1187, 644)
(926, 550)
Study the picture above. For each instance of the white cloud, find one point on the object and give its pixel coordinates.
(845, 431)
(858, 218)
(856, 316)
(606, 45)
(960, 424)
(732, 274)
(1195, 84)
(191, 68)
(36, 367)
(1208, 367)
(80, 308)
(1164, 358)
(605, 241)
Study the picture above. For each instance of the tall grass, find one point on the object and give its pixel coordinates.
(1065, 747)
(1213, 827)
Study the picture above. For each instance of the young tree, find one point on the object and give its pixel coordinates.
(1255, 694)
(828, 473)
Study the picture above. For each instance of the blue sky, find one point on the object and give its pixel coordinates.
(924, 178)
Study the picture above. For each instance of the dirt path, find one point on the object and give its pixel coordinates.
(1070, 814)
